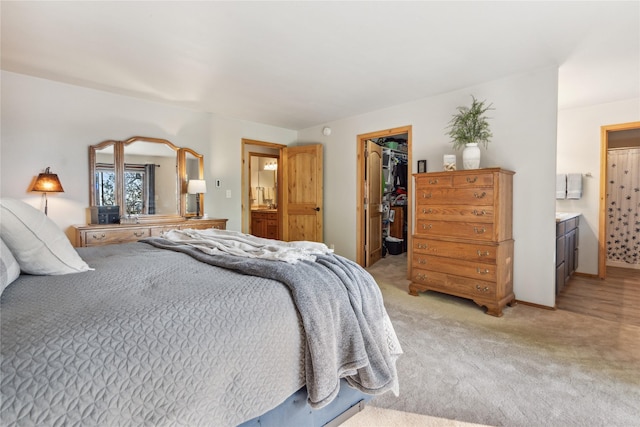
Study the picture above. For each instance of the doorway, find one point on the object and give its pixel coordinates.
(295, 187)
(370, 233)
(613, 138)
(263, 195)
(261, 191)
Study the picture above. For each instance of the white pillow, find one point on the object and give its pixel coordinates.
(9, 268)
(36, 242)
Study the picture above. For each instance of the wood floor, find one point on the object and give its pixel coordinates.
(617, 298)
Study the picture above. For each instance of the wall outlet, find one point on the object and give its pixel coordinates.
(228, 194)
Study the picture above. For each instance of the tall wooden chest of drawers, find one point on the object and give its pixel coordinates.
(462, 242)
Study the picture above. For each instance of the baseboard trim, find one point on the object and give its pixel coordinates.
(544, 307)
(591, 276)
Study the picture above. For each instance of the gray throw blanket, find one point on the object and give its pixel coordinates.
(348, 332)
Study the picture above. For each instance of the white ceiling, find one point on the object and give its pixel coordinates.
(300, 64)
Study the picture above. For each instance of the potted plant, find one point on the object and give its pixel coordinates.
(468, 128)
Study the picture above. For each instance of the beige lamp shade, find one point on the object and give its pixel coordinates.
(197, 186)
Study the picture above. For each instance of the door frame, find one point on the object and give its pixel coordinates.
(602, 225)
(360, 168)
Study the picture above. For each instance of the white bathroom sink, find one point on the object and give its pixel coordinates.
(561, 216)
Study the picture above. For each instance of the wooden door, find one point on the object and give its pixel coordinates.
(373, 203)
(302, 207)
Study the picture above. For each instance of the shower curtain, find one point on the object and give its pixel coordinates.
(623, 205)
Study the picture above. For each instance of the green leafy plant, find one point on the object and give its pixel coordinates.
(470, 125)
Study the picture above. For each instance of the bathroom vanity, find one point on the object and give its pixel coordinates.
(566, 247)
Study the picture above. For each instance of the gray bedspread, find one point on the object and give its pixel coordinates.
(349, 334)
(150, 338)
(155, 337)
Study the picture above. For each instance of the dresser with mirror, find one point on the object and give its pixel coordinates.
(143, 182)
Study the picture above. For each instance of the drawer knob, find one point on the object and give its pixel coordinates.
(426, 195)
(480, 196)
(481, 289)
(433, 181)
(98, 237)
(422, 246)
(422, 261)
(478, 230)
(479, 213)
(427, 211)
(138, 233)
(485, 253)
(421, 277)
(482, 271)
(472, 180)
(427, 227)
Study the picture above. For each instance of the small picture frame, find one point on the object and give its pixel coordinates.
(422, 166)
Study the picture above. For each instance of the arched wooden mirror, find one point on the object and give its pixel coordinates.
(146, 177)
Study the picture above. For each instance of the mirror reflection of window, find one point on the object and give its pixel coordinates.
(105, 178)
(150, 179)
(105, 185)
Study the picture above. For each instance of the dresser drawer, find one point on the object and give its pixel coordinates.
(460, 267)
(465, 230)
(427, 181)
(470, 287)
(452, 284)
(429, 278)
(203, 225)
(454, 196)
(466, 251)
(475, 180)
(455, 213)
(108, 237)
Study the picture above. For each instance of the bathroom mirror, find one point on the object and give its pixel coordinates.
(264, 181)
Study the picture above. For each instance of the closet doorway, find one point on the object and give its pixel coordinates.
(384, 195)
(618, 219)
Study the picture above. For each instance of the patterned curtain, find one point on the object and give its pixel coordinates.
(623, 205)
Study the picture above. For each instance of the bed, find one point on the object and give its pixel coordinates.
(160, 332)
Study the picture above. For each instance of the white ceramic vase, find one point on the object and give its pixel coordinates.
(471, 156)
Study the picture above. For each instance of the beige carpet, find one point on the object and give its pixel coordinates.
(531, 367)
(379, 417)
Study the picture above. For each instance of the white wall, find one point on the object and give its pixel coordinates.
(524, 128)
(45, 123)
(579, 151)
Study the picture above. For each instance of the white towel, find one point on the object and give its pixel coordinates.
(574, 186)
(561, 186)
